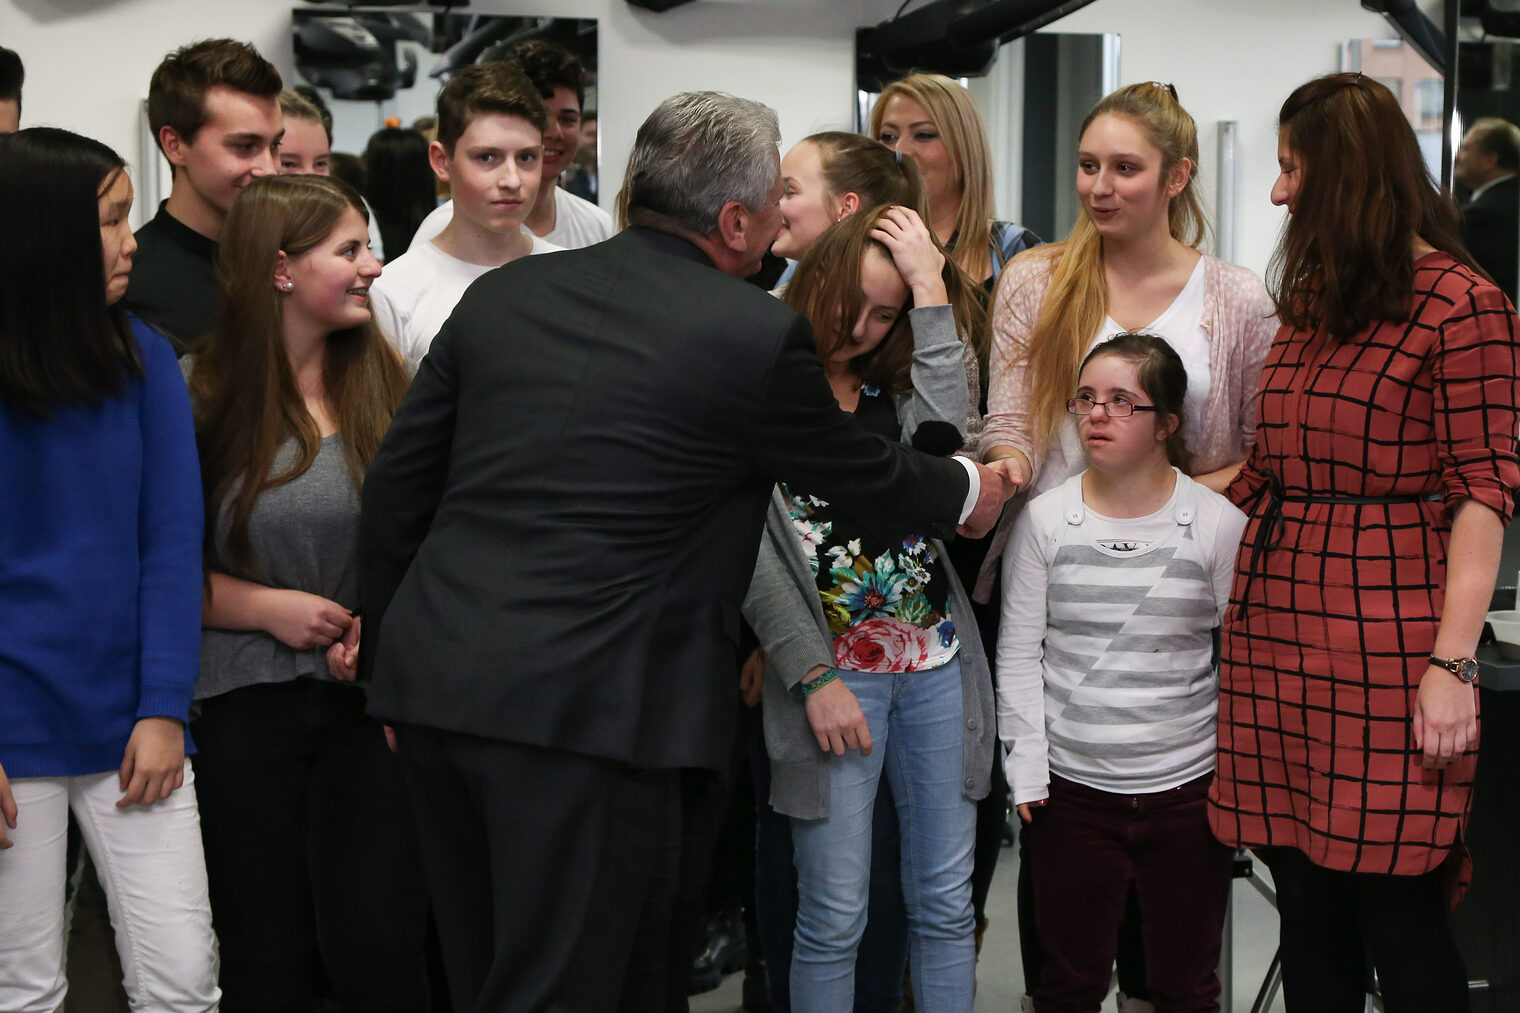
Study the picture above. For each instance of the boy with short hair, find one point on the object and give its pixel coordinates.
(558, 215)
(12, 76)
(490, 151)
(213, 109)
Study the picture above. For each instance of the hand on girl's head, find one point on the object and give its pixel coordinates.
(914, 253)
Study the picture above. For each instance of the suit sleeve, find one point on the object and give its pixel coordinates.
(404, 486)
(801, 437)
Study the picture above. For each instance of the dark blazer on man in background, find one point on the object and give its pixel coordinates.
(561, 525)
(1491, 229)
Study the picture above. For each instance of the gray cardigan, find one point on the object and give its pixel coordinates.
(784, 610)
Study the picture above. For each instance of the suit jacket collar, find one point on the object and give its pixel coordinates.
(664, 242)
(1492, 184)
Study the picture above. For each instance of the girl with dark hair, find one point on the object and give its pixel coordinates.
(100, 532)
(399, 184)
(1106, 690)
(309, 846)
(1378, 489)
(868, 634)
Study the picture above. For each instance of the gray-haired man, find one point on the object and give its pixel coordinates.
(557, 534)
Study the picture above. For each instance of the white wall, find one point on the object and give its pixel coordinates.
(88, 61)
(1233, 60)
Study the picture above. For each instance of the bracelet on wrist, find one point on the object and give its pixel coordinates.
(803, 690)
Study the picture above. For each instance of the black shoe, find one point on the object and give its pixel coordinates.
(725, 952)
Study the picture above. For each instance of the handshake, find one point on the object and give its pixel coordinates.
(1002, 479)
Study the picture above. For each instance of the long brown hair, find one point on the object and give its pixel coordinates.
(1076, 298)
(1364, 196)
(826, 290)
(965, 139)
(244, 390)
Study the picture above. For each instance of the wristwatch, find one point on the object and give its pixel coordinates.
(1465, 669)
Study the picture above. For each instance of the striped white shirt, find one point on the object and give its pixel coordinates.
(1104, 655)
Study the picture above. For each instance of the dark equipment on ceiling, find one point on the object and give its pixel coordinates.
(957, 38)
(657, 5)
(1420, 33)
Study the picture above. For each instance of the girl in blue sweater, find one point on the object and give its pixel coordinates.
(100, 577)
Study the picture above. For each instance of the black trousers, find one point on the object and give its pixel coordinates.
(1333, 922)
(310, 850)
(552, 874)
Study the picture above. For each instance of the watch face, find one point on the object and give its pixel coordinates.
(1468, 670)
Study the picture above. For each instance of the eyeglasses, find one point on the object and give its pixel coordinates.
(1118, 408)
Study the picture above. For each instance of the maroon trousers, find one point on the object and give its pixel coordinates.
(1087, 849)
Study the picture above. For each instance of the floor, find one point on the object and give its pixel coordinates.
(1000, 976)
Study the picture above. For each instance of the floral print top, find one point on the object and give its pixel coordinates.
(884, 593)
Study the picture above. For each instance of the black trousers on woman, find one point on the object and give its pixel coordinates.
(1334, 924)
(311, 852)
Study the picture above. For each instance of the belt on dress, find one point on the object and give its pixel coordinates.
(1270, 531)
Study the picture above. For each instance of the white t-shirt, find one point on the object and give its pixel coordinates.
(1181, 324)
(577, 222)
(418, 290)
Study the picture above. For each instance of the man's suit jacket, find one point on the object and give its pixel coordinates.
(561, 524)
(1491, 229)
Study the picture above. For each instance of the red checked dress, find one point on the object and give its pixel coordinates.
(1326, 641)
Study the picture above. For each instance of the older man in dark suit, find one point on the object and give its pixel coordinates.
(557, 534)
(1486, 163)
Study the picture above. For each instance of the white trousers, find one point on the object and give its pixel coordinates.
(151, 866)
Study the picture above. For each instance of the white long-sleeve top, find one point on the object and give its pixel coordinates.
(1104, 660)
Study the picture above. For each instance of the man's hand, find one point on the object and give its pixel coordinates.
(1001, 481)
(154, 763)
(836, 718)
(752, 677)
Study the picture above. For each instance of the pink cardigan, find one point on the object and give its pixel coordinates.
(1241, 322)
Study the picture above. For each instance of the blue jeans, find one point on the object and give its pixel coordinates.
(917, 731)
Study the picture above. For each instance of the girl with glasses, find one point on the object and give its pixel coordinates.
(1106, 689)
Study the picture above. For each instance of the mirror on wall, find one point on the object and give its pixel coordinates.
(1486, 110)
(374, 66)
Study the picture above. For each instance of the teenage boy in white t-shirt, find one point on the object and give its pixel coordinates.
(558, 215)
(490, 151)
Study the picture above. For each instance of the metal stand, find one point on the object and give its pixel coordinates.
(1245, 869)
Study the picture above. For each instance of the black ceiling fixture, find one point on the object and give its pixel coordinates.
(1414, 26)
(957, 38)
(657, 5)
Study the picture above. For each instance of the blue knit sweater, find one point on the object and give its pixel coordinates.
(100, 571)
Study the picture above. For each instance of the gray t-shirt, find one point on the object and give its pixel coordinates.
(304, 535)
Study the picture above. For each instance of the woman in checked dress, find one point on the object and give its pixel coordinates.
(1377, 491)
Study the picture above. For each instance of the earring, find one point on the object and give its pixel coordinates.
(287, 286)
